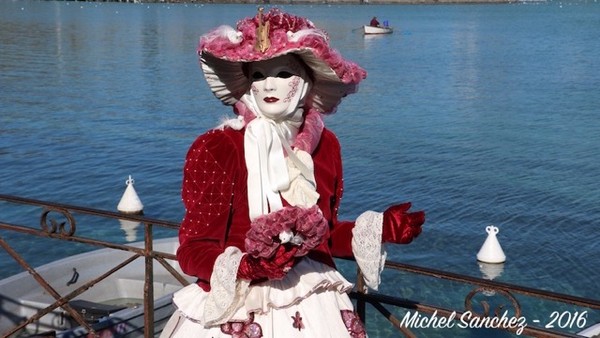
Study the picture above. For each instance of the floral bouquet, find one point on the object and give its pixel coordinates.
(293, 226)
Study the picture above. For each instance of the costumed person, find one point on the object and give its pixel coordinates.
(262, 192)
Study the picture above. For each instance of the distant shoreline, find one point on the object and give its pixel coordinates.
(342, 2)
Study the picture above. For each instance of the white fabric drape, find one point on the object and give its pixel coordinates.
(267, 143)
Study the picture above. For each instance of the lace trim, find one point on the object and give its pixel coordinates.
(367, 248)
(308, 277)
(227, 293)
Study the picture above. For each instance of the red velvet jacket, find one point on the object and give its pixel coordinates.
(215, 196)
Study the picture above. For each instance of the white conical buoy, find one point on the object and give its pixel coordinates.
(491, 251)
(130, 202)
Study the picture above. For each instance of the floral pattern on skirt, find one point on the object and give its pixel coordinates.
(246, 329)
(354, 324)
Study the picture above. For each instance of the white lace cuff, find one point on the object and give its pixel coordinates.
(368, 250)
(227, 293)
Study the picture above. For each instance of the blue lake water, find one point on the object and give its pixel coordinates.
(478, 114)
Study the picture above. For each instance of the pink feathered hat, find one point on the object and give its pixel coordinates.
(224, 50)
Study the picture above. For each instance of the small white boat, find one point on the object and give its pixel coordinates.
(113, 307)
(377, 29)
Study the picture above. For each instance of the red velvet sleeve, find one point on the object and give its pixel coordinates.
(341, 231)
(207, 192)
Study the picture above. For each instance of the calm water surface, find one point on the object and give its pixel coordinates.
(478, 114)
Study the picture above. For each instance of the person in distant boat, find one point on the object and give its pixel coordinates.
(262, 192)
(374, 22)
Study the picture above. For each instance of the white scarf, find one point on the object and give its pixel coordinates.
(266, 144)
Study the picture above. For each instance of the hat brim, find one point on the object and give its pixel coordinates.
(228, 82)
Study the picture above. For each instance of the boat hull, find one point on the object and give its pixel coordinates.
(21, 296)
(377, 30)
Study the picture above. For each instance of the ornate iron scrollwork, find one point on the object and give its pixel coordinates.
(486, 306)
(55, 227)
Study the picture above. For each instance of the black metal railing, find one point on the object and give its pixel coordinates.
(58, 221)
(582, 312)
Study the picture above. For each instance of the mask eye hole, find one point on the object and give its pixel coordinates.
(284, 74)
(256, 76)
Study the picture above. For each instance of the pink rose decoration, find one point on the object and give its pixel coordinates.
(308, 227)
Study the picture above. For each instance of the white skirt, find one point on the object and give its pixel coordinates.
(311, 301)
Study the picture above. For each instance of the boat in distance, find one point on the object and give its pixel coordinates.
(368, 30)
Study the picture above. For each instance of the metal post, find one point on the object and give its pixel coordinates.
(148, 282)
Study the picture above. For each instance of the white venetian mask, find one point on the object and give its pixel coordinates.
(278, 85)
